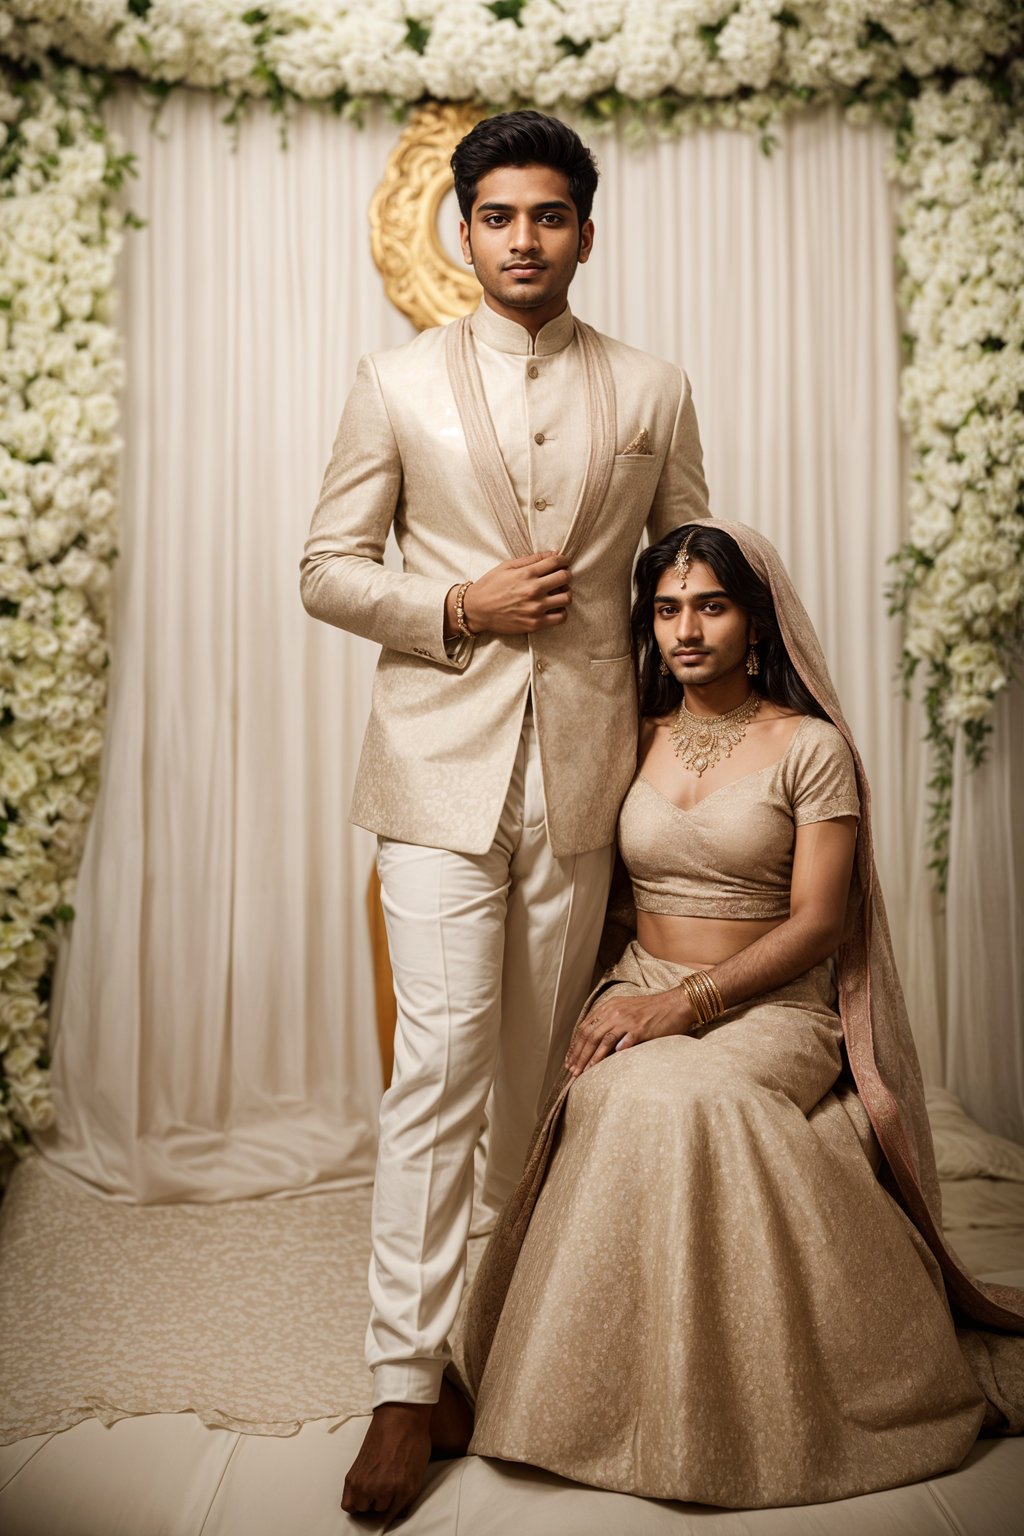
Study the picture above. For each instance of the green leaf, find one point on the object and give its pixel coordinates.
(277, 92)
(417, 36)
(876, 33)
(140, 7)
(256, 17)
(708, 33)
(507, 10)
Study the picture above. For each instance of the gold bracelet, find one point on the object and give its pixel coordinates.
(704, 996)
(460, 611)
(704, 1007)
(712, 997)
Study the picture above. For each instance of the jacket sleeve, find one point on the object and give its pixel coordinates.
(342, 578)
(681, 495)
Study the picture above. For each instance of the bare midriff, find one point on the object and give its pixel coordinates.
(699, 941)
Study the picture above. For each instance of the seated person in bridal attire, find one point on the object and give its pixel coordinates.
(722, 1277)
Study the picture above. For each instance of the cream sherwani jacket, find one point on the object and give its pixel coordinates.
(590, 442)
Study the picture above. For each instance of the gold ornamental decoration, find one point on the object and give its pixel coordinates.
(420, 277)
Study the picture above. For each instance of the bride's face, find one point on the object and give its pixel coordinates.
(702, 634)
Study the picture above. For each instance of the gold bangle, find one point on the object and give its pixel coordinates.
(460, 611)
(713, 998)
(704, 996)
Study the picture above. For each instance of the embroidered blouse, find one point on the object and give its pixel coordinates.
(731, 855)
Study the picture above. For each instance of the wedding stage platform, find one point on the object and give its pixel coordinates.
(190, 1370)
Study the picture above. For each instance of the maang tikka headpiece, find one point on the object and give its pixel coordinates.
(683, 558)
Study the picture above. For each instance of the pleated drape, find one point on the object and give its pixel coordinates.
(214, 1018)
(215, 1027)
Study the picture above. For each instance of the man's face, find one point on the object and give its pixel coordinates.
(524, 240)
(702, 634)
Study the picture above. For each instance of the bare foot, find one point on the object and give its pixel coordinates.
(451, 1423)
(388, 1472)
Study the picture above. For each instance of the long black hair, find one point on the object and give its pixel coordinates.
(777, 678)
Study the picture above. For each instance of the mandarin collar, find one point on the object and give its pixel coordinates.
(509, 336)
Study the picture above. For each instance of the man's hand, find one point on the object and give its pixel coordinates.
(520, 596)
(616, 1023)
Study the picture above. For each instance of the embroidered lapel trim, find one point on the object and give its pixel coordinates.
(601, 426)
(481, 439)
(485, 453)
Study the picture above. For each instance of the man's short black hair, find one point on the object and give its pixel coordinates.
(524, 138)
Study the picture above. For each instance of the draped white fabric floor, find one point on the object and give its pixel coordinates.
(251, 1314)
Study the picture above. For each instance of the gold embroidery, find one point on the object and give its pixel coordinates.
(639, 444)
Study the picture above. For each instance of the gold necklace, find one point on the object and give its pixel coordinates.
(700, 741)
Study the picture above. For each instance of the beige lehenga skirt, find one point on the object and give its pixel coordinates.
(701, 1291)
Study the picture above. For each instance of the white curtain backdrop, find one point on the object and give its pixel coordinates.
(215, 1030)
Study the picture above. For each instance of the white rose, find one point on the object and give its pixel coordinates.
(27, 434)
(45, 644)
(969, 657)
(981, 598)
(31, 1099)
(101, 413)
(78, 570)
(43, 481)
(47, 536)
(77, 301)
(41, 897)
(72, 494)
(989, 679)
(20, 1061)
(39, 306)
(101, 506)
(19, 1014)
(16, 584)
(61, 415)
(932, 528)
(960, 708)
(17, 777)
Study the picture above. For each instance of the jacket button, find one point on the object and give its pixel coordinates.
(540, 503)
(538, 437)
(540, 665)
(533, 371)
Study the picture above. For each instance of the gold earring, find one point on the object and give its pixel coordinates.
(753, 662)
(663, 667)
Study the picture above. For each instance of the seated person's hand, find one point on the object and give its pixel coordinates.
(616, 1023)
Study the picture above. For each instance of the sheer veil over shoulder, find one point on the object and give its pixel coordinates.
(879, 1043)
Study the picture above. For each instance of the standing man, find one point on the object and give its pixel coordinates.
(518, 455)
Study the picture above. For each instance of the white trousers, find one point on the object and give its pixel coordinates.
(492, 957)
